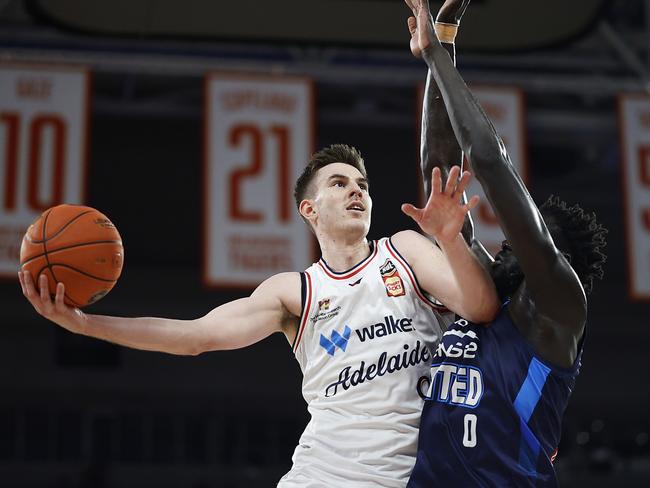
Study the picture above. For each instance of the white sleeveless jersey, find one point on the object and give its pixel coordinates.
(364, 346)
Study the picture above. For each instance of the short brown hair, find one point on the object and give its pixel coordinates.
(336, 153)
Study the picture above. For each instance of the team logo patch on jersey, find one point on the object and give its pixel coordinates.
(392, 279)
(324, 304)
(336, 340)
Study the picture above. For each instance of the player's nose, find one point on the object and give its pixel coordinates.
(356, 191)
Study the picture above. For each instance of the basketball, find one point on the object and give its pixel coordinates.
(77, 246)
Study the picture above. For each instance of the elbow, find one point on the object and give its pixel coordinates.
(489, 313)
(482, 316)
(486, 153)
(201, 346)
(483, 159)
(195, 341)
(194, 351)
(487, 309)
(189, 349)
(491, 304)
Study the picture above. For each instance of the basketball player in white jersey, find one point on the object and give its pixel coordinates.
(360, 321)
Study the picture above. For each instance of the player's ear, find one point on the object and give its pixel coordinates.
(308, 210)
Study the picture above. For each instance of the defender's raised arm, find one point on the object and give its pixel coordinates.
(548, 276)
(439, 147)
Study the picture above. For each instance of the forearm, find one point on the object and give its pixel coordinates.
(232, 325)
(490, 163)
(472, 128)
(146, 333)
(439, 147)
(477, 297)
(515, 210)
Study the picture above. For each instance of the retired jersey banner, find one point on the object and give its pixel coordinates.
(43, 139)
(258, 139)
(505, 108)
(634, 112)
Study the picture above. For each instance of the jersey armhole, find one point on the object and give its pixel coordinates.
(303, 294)
(305, 303)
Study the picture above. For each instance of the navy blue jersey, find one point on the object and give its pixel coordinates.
(493, 411)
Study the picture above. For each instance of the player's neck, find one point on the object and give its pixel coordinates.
(342, 255)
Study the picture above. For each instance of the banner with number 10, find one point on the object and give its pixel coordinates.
(43, 142)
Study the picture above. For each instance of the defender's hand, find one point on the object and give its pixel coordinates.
(57, 311)
(420, 26)
(444, 213)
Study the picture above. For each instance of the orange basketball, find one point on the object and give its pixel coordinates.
(77, 246)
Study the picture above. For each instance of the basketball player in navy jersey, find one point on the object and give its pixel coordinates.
(493, 412)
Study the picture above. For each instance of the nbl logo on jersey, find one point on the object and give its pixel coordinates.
(392, 279)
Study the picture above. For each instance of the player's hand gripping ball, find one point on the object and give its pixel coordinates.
(77, 246)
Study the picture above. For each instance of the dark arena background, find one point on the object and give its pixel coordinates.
(77, 412)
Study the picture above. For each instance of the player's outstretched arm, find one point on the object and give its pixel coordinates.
(273, 307)
(451, 273)
(438, 146)
(556, 289)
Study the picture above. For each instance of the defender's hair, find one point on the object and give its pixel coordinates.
(584, 236)
(336, 153)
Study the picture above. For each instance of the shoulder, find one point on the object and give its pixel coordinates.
(407, 239)
(411, 245)
(557, 310)
(563, 300)
(291, 279)
(285, 287)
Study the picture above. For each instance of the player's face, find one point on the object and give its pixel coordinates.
(342, 201)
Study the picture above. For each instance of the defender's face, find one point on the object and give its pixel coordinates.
(341, 200)
(506, 273)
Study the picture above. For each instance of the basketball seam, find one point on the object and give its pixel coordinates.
(47, 260)
(68, 247)
(81, 272)
(61, 229)
(49, 266)
(74, 302)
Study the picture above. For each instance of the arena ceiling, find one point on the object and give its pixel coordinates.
(491, 24)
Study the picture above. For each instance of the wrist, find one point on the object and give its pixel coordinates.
(446, 32)
(433, 55)
(80, 324)
(451, 245)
